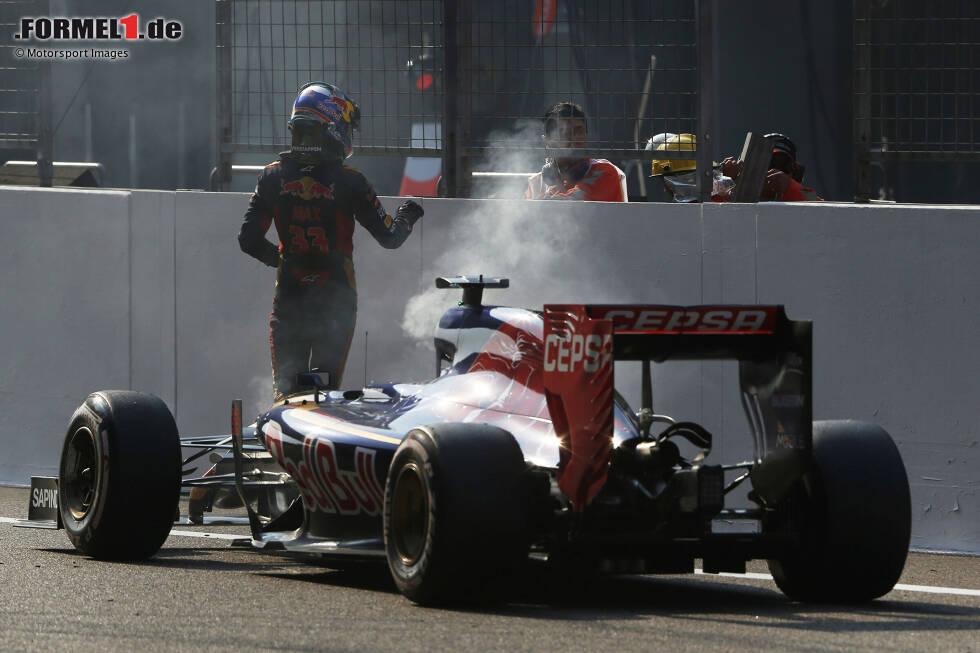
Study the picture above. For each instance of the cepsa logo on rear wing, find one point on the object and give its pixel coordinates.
(688, 319)
(582, 342)
(578, 386)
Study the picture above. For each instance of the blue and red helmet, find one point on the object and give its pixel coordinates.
(324, 119)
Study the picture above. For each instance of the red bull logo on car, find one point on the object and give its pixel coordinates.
(307, 188)
(325, 485)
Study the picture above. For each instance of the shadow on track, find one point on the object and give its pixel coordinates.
(538, 594)
(197, 559)
(543, 595)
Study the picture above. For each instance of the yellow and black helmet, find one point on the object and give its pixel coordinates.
(666, 141)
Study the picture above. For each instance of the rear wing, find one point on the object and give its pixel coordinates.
(774, 355)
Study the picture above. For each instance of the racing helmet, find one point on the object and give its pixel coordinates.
(666, 141)
(323, 120)
(781, 143)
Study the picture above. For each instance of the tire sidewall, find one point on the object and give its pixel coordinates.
(413, 580)
(81, 531)
(477, 533)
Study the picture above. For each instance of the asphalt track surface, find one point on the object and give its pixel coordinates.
(203, 594)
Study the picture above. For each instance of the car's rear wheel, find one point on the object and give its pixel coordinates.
(853, 513)
(455, 512)
(119, 475)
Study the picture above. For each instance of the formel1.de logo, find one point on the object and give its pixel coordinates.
(97, 28)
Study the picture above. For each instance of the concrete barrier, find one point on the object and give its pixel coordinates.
(66, 316)
(148, 290)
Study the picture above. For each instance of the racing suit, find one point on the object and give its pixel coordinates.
(797, 192)
(314, 203)
(595, 180)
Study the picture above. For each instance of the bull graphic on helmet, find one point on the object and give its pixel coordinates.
(323, 121)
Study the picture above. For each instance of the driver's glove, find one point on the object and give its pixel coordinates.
(410, 211)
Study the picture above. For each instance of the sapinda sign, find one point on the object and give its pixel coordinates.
(44, 498)
(43, 504)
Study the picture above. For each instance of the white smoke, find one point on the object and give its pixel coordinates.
(541, 246)
(258, 397)
(510, 154)
(501, 235)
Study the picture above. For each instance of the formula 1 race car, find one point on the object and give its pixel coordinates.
(521, 447)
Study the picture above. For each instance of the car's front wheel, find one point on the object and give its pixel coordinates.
(455, 511)
(119, 475)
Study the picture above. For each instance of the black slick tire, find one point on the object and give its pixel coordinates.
(119, 475)
(456, 513)
(853, 513)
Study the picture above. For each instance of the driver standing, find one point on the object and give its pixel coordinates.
(314, 201)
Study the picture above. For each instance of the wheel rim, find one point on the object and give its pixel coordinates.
(78, 473)
(410, 514)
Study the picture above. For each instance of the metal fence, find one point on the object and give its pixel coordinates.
(479, 73)
(916, 84)
(268, 48)
(25, 97)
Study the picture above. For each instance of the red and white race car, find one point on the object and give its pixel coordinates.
(521, 446)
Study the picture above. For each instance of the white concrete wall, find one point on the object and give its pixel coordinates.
(66, 306)
(148, 290)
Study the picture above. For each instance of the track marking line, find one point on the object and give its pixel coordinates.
(728, 574)
(210, 536)
(936, 590)
(928, 589)
(201, 534)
